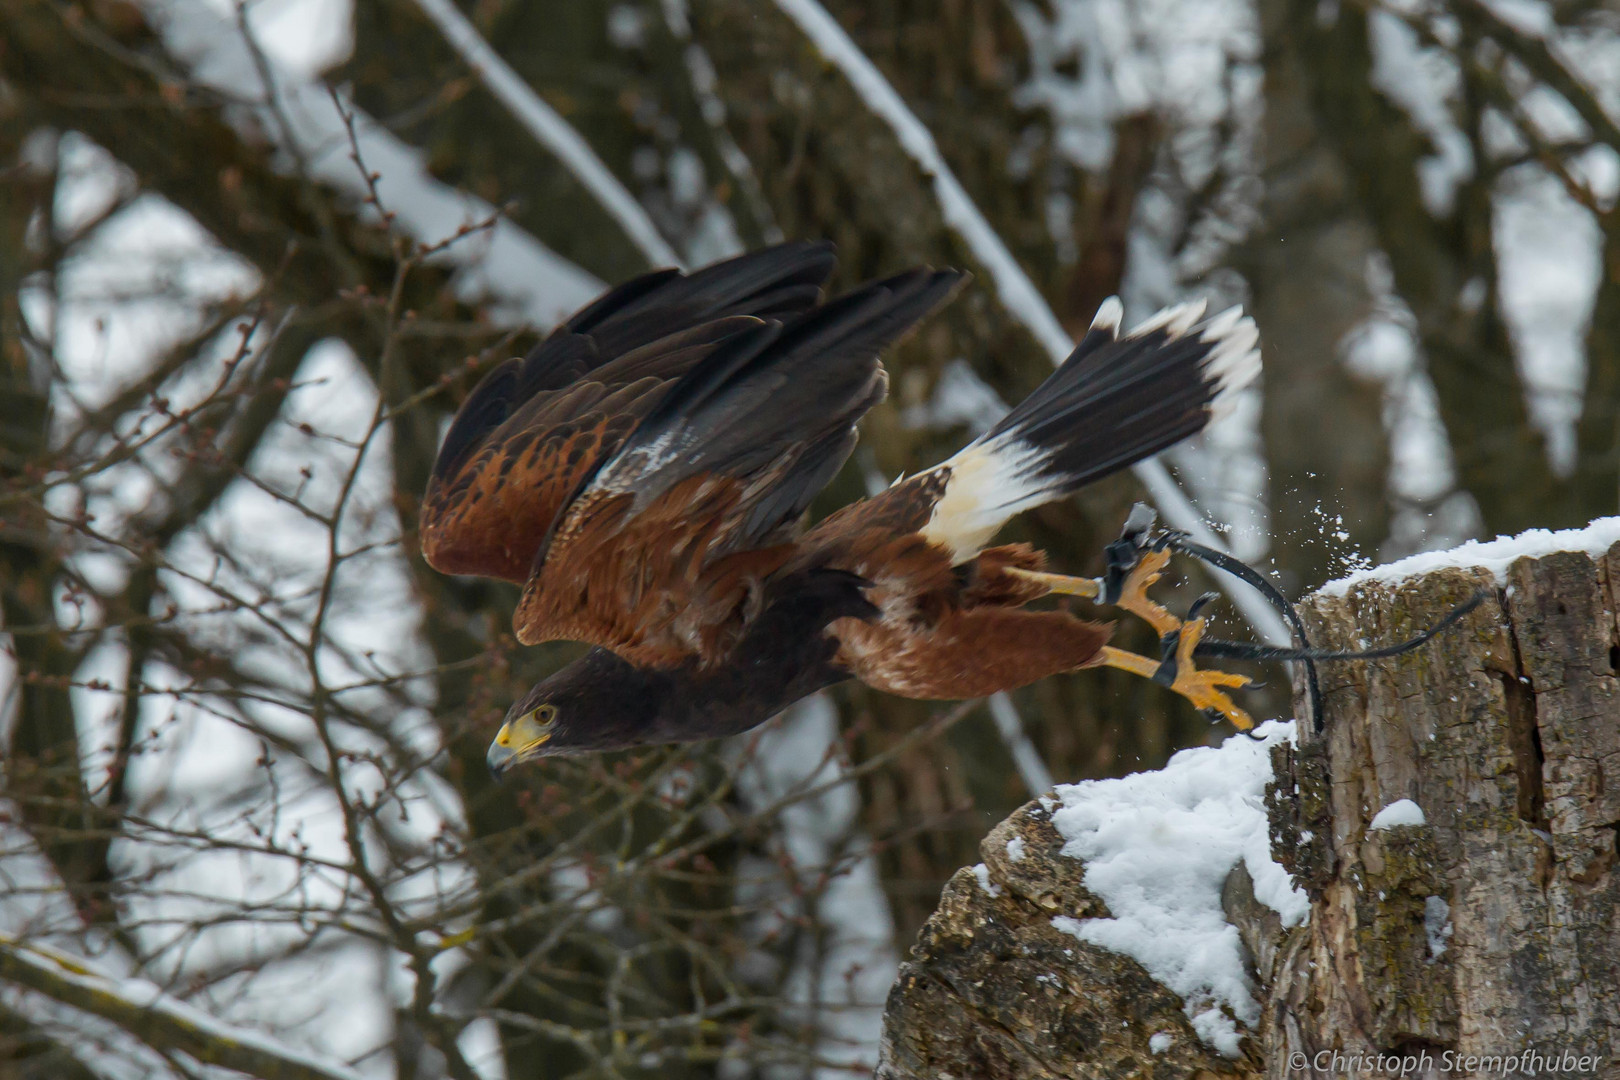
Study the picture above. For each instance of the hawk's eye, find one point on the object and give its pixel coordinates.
(528, 730)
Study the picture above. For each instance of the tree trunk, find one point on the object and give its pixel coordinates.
(1486, 930)
(1306, 265)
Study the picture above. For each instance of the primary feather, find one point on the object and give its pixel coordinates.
(534, 429)
(662, 554)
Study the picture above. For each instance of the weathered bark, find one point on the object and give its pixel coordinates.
(1503, 732)
(1487, 930)
(994, 990)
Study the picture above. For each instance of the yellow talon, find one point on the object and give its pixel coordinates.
(1205, 689)
(1133, 597)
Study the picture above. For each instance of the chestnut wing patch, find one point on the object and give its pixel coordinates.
(535, 430)
(659, 586)
(489, 516)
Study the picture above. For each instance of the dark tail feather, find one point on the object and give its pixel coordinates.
(1117, 400)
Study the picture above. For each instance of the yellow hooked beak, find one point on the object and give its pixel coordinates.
(520, 740)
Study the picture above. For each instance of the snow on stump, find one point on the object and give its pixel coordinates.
(1451, 839)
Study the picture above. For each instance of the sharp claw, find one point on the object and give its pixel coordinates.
(1202, 688)
(1163, 540)
(1200, 604)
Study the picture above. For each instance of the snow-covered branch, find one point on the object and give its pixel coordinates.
(160, 1020)
(1017, 292)
(526, 280)
(553, 132)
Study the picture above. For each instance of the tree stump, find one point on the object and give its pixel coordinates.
(1488, 930)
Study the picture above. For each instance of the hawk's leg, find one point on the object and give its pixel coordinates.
(1205, 689)
(1062, 584)
(1133, 597)
(1135, 562)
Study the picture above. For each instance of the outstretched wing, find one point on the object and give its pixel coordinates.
(663, 555)
(534, 430)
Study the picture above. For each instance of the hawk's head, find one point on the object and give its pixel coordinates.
(598, 702)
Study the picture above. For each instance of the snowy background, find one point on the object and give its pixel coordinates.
(253, 256)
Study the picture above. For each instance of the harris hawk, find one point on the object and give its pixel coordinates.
(644, 471)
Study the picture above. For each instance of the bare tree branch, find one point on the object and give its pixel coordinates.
(161, 1021)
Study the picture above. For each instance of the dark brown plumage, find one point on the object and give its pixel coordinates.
(643, 473)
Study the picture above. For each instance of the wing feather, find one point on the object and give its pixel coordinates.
(534, 430)
(695, 506)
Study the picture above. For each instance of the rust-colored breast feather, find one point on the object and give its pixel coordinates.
(943, 632)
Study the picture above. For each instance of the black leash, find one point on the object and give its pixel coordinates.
(1267, 588)
(1243, 650)
(1134, 539)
